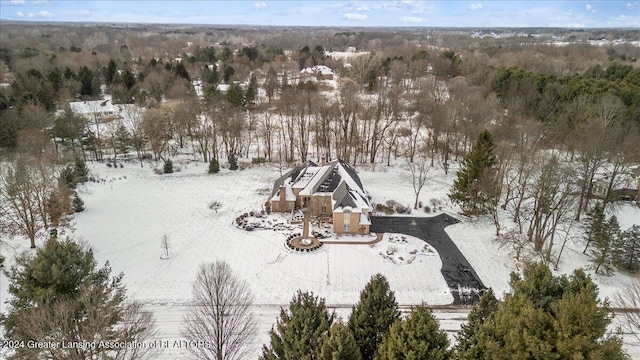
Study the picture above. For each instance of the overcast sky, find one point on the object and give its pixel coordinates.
(587, 14)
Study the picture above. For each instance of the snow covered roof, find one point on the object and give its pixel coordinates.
(336, 178)
(92, 107)
(318, 69)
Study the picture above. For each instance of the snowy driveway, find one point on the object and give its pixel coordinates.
(466, 287)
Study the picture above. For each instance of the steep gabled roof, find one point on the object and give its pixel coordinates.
(336, 178)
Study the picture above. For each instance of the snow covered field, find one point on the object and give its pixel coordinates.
(131, 208)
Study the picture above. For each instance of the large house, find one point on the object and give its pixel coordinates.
(331, 191)
(320, 72)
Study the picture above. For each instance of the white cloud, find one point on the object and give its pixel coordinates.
(352, 16)
(41, 14)
(475, 7)
(411, 19)
(40, 2)
(83, 13)
(631, 6)
(20, 14)
(363, 8)
(17, 2)
(259, 5)
(590, 8)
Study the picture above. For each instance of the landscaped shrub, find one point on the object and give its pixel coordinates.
(78, 204)
(258, 160)
(168, 167)
(233, 162)
(214, 166)
(68, 176)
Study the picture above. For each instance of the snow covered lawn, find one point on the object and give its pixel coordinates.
(127, 217)
(130, 209)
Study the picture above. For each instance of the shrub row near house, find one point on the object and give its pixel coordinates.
(391, 207)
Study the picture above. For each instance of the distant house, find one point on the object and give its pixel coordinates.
(331, 191)
(91, 109)
(623, 190)
(320, 72)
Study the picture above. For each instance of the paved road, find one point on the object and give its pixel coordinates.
(463, 281)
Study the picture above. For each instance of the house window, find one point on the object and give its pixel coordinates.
(346, 221)
(305, 201)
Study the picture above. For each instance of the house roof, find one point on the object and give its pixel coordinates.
(336, 178)
(92, 107)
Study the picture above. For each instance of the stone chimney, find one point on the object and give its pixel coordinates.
(283, 198)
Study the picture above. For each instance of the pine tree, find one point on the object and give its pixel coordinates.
(81, 171)
(373, 315)
(78, 204)
(594, 220)
(300, 330)
(466, 344)
(182, 72)
(416, 337)
(603, 251)
(111, 72)
(469, 189)
(233, 162)
(545, 317)
(52, 293)
(68, 177)
(627, 256)
(340, 345)
(168, 166)
(129, 79)
(214, 166)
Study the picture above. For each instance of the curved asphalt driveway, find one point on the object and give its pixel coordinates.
(463, 281)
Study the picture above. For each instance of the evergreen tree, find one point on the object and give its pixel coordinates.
(545, 317)
(595, 220)
(81, 171)
(182, 72)
(86, 77)
(214, 166)
(340, 345)
(233, 162)
(227, 72)
(235, 95)
(300, 330)
(373, 315)
(416, 337)
(628, 249)
(466, 344)
(78, 204)
(60, 295)
(168, 166)
(68, 177)
(470, 188)
(129, 79)
(603, 252)
(111, 72)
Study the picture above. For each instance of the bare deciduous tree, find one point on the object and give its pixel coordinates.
(24, 193)
(629, 300)
(220, 316)
(419, 170)
(105, 321)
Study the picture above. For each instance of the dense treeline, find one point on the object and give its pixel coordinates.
(548, 96)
